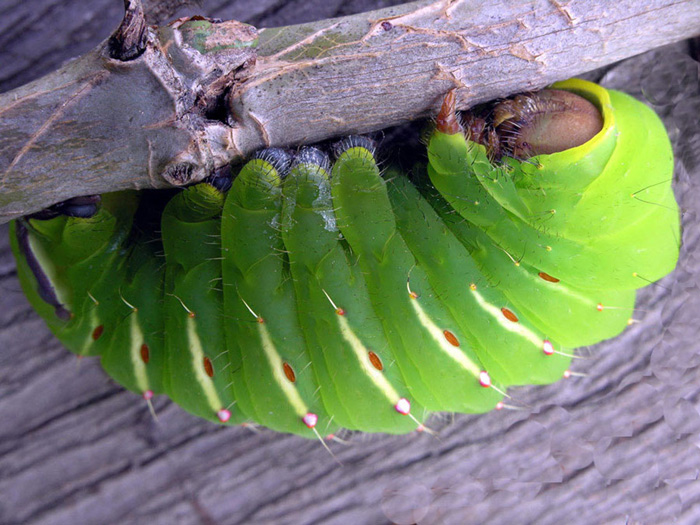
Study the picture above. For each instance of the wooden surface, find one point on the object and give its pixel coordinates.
(617, 446)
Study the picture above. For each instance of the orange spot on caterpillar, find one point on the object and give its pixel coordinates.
(375, 360)
(451, 338)
(340, 311)
(472, 287)
(208, 367)
(599, 307)
(145, 353)
(548, 278)
(509, 315)
(191, 315)
(260, 320)
(289, 372)
(413, 295)
(97, 332)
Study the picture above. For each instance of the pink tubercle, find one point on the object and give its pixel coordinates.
(403, 406)
(148, 395)
(484, 379)
(310, 419)
(547, 347)
(224, 415)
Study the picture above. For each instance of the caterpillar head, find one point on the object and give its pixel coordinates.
(529, 124)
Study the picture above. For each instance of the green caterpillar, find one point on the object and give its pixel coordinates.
(313, 296)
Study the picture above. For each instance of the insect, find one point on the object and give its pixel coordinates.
(308, 296)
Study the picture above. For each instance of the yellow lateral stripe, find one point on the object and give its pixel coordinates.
(438, 335)
(516, 328)
(362, 355)
(277, 366)
(195, 347)
(136, 335)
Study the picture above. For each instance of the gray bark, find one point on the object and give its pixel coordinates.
(100, 124)
(617, 446)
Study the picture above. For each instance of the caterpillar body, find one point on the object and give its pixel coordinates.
(313, 296)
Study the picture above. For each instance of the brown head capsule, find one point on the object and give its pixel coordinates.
(545, 122)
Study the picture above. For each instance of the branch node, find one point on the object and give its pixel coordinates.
(182, 173)
(129, 40)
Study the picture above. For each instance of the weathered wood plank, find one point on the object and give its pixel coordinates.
(620, 444)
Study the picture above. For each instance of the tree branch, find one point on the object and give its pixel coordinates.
(175, 102)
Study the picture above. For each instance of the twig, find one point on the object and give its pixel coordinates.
(152, 107)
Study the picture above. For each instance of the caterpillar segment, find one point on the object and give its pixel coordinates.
(136, 352)
(355, 366)
(274, 379)
(197, 374)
